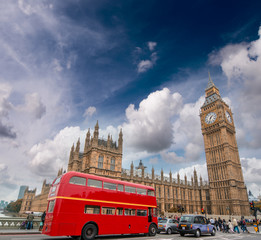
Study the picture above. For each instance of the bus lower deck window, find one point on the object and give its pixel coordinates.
(108, 211)
(90, 209)
(129, 212)
(51, 206)
(119, 211)
(141, 212)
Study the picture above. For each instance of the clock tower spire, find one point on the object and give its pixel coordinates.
(228, 193)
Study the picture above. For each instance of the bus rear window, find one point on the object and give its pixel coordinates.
(130, 189)
(151, 193)
(94, 183)
(78, 181)
(51, 206)
(141, 191)
(90, 209)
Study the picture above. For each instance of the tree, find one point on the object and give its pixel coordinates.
(14, 206)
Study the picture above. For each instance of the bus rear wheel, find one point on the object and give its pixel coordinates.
(152, 230)
(89, 232)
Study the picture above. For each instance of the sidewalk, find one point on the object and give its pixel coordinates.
(18, 231)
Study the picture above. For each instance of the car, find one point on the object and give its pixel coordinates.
(195, 224)
(168, 225)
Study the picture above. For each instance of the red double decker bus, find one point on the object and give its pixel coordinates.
(84, 205)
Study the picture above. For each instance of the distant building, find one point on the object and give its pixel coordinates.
(3, 204)
(21, 191)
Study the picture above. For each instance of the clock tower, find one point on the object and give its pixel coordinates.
(228, 193)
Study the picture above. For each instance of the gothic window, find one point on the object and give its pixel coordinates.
(100, 162)
(159, 191)
(112, 164)
(168, 192)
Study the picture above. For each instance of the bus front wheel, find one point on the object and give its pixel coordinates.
(89, 231)
(152, 230)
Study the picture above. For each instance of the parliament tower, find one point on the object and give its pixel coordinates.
(228, 192)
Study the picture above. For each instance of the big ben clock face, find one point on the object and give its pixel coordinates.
(228, 117)
(210, 118)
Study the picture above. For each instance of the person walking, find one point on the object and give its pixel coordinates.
(235, 224)
(30, 219)
(230, 227)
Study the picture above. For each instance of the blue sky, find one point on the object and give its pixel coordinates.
(137, 65)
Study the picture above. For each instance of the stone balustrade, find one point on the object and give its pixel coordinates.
(16, 222)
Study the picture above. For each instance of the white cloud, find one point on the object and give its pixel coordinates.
(241, 64)
(152, 45)
(89, 112)
(171, 157)
(189, 171)
(149, 127)
(144, 65)
(33, 105)
(52, 154)
(187, 131)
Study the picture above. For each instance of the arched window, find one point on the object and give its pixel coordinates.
(112, 164)
(100, 162)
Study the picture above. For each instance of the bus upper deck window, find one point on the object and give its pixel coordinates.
(57, 180)
(94, 183)
(151, 193)
(130, 189)
(111, 186)
(141, 191)
(78, 181)
(120, 187)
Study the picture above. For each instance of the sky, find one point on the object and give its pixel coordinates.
(139, 66)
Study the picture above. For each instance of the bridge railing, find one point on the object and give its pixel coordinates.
(17, 222)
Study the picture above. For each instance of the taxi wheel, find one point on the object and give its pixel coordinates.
(197, 233)
(89, 232)
(213, 233)
(169, 231)
(182, 234)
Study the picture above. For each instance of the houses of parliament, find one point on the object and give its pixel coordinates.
(225, 192)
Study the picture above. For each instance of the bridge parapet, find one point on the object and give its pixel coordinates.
(16, 222)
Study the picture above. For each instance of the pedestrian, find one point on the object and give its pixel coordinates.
(216, 223)
(235, 224)
(42, 221)
(243, 225)
(230, 227)
(30, 219)
(220, 223)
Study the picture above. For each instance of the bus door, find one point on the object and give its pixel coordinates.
(150, 215)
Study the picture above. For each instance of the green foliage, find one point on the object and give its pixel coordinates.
(14, 206)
